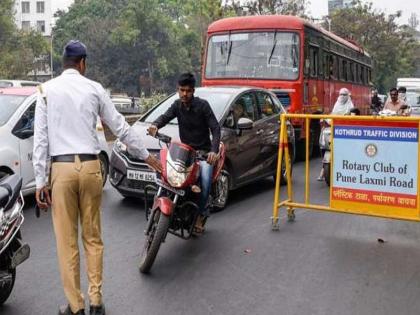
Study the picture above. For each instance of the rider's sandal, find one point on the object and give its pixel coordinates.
(198, 230)
(199, 226)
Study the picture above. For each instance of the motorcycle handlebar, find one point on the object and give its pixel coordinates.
(161, 137)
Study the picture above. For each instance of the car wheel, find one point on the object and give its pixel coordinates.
(283, 174)
(104, 167)
(221, 191)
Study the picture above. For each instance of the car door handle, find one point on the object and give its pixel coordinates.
(260, 131)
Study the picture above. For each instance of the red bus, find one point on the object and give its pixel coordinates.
(302, 63)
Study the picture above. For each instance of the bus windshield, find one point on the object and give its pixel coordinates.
(254, 55)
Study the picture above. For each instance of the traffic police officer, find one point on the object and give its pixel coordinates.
(66, 114)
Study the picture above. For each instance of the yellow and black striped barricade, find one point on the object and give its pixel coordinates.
(374, 167)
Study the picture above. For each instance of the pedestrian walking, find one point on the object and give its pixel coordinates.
(66, 114)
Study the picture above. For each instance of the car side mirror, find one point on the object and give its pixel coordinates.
(24, 133)
(245, 123)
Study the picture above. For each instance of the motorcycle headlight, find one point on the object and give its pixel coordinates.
(121, 147)
(176, 175)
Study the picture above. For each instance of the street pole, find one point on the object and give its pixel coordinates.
(51, 54)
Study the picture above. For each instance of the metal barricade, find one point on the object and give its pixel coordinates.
(361, 146)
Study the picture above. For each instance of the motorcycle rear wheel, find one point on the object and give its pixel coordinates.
(153, 240)
(8, 286)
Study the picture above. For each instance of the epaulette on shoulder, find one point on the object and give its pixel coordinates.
(43, 95)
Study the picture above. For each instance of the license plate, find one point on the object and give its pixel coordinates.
(141, 175)
(174, 190)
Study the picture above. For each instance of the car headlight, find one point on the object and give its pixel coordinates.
(119, 146)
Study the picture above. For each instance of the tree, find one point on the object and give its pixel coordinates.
(260, 7)
(391, 47)
(19, 51)
(138, 46)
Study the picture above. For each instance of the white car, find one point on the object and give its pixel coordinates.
(17, 83)
(17, 113)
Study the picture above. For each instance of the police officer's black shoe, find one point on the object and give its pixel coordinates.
(97, 309)
(66, 310)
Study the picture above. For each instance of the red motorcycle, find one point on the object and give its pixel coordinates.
(175, 205)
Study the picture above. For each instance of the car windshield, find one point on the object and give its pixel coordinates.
(265, 55)
(8, 105)
(218, 102)
(413, 98)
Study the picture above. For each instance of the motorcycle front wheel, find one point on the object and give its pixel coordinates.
(7, 281)
(152, 242)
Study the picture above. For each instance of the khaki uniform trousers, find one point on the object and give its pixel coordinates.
(76, 194)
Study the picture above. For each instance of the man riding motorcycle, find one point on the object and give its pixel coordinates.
(195, 119)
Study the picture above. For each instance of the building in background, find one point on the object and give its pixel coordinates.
(39, 15)
(34, 14)
(338, 4)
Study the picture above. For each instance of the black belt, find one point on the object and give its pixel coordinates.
(72, 157)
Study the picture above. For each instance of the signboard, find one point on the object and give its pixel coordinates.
(375, 168)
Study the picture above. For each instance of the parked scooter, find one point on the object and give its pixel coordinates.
(12, 251)
(175, 206)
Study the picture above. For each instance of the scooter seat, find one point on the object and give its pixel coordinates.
(12, 184)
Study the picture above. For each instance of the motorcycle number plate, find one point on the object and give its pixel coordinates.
(141, 175)
(174, 190)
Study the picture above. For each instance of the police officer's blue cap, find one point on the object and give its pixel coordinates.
(75, 48)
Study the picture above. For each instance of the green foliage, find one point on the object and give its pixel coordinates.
(18, 50)
(138, 46)
(259, 7)
(393, 48)
(148, 102)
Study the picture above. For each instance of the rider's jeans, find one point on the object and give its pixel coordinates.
(206, 172)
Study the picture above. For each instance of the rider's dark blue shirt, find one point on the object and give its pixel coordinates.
(195, 123)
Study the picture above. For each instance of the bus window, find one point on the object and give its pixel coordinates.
(361, 80)
(358, 76)
(344, 70)
(351, 72)
(314, 61)
(326, 66)
(334, 67)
